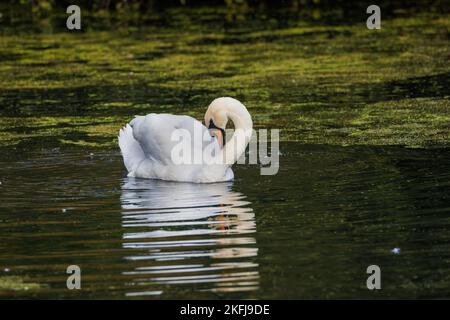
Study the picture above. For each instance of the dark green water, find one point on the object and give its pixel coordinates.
(364, 165)
(308, 232)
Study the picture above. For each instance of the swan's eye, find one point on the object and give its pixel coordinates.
(212, 125)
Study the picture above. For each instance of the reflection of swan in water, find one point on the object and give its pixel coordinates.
(188, 236)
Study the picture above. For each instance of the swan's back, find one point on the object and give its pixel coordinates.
(146, 144)
(154, 131)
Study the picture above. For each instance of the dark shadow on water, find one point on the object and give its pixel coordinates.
(432, 86)
(85, 100)
(436, 86)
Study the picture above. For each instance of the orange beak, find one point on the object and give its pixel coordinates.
(219, 136)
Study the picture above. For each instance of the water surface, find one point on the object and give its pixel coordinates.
(308, 232)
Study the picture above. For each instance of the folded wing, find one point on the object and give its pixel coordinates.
(157, 136)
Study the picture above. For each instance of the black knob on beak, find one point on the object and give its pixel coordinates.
(213, 126)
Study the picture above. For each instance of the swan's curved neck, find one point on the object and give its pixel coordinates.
(243, 127)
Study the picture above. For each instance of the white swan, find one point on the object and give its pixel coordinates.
(147, 144)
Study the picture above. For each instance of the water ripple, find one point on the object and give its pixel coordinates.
(194, 235)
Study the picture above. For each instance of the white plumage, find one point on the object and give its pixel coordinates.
(147, 144)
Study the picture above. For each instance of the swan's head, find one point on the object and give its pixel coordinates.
(222, 109)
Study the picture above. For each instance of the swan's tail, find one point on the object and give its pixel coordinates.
(131, 150)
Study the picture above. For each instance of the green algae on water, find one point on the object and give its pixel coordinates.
(16, 283)
(320, 83)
